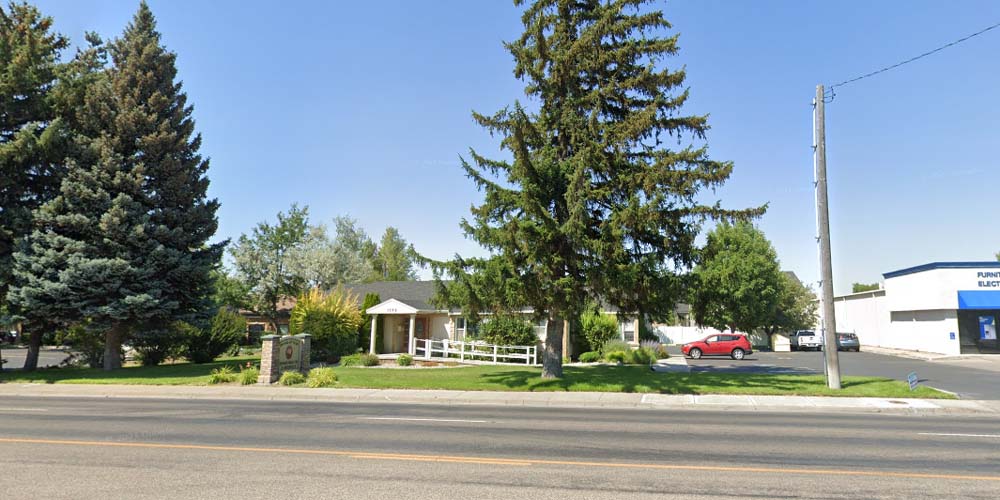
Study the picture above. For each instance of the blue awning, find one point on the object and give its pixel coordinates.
(979, 299)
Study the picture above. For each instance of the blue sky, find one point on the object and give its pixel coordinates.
(362, 108)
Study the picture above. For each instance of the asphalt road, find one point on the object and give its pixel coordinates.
(973, 378)
(15, 357)
(143, 448)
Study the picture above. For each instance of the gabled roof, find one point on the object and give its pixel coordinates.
(416, 294)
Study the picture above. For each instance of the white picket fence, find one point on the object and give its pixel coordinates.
(474, 352)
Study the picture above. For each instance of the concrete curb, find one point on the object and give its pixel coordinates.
(525, 399)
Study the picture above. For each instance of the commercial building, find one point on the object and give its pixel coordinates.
(941, 307)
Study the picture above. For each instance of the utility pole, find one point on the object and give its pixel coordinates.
(828, 320)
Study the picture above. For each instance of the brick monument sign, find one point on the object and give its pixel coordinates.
(282, 354)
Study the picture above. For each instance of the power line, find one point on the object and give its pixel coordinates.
(921, 56)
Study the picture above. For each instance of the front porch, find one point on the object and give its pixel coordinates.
(403, 324)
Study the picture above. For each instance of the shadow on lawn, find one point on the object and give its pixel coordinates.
(641, 379)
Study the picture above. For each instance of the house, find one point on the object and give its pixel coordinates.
(258, 325)
(407, 312)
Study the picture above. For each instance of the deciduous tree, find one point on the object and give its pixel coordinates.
(738, 281)
(263, 264)
(394, 260)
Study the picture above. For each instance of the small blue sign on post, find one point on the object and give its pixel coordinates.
(912, 379)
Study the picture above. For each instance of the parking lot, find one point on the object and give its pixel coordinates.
(970, 378)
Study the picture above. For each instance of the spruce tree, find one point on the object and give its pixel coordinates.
(32, 138)
(594, 204)
(125, 244)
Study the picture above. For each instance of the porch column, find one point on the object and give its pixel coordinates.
(413, 341)
(371, 341)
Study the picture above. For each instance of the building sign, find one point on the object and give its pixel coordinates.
(987, 328)
(988, 279)
(289, 354)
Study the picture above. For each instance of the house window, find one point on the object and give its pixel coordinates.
(459, 328)
(540, 327)
(628, 330)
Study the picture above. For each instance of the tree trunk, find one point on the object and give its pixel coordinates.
(553, 353)
(113, 347)
(34, 346)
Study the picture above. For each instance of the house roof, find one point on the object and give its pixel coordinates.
(417, 294)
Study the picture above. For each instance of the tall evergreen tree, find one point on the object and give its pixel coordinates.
(33, 140)
(593, 204)
(30, 162)
(125, 244)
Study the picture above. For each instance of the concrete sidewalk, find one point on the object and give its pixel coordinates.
(526, 399)
(927, 356)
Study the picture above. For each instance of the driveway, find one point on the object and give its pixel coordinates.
(15, 357)
(971, 378)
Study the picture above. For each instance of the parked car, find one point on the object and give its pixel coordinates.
(848, 342)
(734, 345)
(805, 340)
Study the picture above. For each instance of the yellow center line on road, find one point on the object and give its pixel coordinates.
(506, 461)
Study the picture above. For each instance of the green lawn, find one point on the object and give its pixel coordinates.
(172, 374)
(605, 378)
(510, 378)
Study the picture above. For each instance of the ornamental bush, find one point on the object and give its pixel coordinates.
(616, 357)
(642, 356)
(249, 375)
(404, 360)
(222, 375)
(614, 345)
(590, 357)
(331, 318)
(292, 378)
(203, 345)
(598, 328)
(508, 330)
(321, 377)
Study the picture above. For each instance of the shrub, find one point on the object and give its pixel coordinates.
(292, 378)
(369, 359)
(508, 330)
(86, 343)
(642, 356)
(614, 345)
(249, 375)
(404, 360)
(222, 375)
(616, 357)
(321, 377)
(590, 357)
(656, 347)
(352, 360)
(157, 344)
(331, 318)
(203, 345)
(598, 328)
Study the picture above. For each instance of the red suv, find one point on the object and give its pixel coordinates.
(723, 344)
